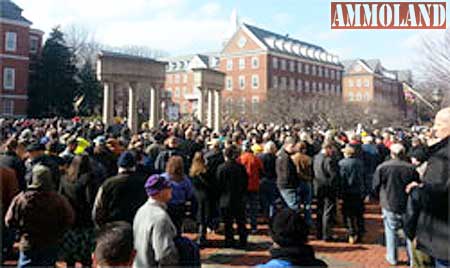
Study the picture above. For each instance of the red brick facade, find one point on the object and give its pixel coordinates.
(19, 49)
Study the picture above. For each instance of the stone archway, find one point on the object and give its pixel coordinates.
(135, 73)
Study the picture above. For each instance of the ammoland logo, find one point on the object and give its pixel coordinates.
(388, 15)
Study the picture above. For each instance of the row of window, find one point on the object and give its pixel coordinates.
(11, 42)
(305, 68)
(307, 86)
(241, 80)
(175, 78)
(9, 78)
(358, 96)
(358, 82)
(177, 91)
(242, 63)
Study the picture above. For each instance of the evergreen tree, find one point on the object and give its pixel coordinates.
(53, 87)
(89, 90)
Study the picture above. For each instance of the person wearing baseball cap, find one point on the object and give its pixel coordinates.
(153, 229)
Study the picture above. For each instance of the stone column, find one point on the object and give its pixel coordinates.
(132, 107)
(153, 108)
(108, 103)
(217, 110)
(210, 107)
(201, 106)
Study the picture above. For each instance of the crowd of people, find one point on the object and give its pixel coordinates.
(75, 191)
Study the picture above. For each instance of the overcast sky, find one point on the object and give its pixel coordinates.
(194, 26)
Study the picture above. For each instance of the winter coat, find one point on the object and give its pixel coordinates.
(233, 183)
(11, 160)
(326, 174)
(254, 167)
(286, 171)
(351, 172)
(433, 228)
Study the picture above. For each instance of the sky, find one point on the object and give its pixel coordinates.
(195, 26)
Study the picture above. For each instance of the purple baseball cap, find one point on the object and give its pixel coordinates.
(155, 184)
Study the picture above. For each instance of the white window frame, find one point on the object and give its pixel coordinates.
(255, 101)
(307, 67)
(169, 78)
(292, 66)
(36, 39)
(229, 83)
(332, 74)
(307, 87)
(366, 83)
(299, 67)
(299, 84)
(351, 97)
(275, 82)
(177, 78)
(350, 83)
(358, 82)
(275, 62)
(283, 83)
(9, 84)
(229, 64)
(185, 78)
(359, 96)
(320, 71)
(255, 77)
(255, 62)
(314, 70)
(292, 84)
(241, 63)
(283, 64)
(242, 82)
(320, 87)
(314, 86)
(8, 109)
(10, 41)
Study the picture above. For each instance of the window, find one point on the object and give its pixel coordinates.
(11, 41)
(292, 66)
(177, 79)
(350, 97)
(229, 82)
(177, 92)
(367, 96)
(359, 96)
(327, 88)
(283, 64)
(314, 87)
(185, 91)
(366, 83)
(306, 69)
(241, 63)
(358, 82)
(255, 63)
(283, 82)
(299, 85)
(185, 78)
(314, 70)
(332, 74)
(292, 84)
(255, 103)
(275, 63)
(241, 82)
(326, 72)
(255, 81)
(8, 107)
(275, 81)
(299, 67)
(320, 71)
(307, 86)
(350, 83)
(338, 89)
(229, 64)
(338, 75)
(169, 78)
(34, 44)
(9, 78)
(242, 104)
(332, 89)
(320, 87)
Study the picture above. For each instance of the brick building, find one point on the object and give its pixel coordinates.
(20, 46)
(179, 83)
(368, 82)
(258, 62)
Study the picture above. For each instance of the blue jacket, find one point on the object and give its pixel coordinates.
(276, 264)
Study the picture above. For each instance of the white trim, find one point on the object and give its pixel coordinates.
(6, 85)
(336, 67)
(243, 53)
(253, 37)
(13, 96)
(365, 66)
(37, 31)
(10, 39)
(15, 22)
(13, 57)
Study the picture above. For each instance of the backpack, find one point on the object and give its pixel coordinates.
(188, 251)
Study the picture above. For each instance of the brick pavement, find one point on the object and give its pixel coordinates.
(369, 253)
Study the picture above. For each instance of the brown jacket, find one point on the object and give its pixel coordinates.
(303, 164)
(41, 218)
(9, 186)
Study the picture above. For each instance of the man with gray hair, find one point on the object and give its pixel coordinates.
(390, 180)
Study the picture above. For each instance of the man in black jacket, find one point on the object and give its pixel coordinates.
(233, 181)
(390, 180)
(433, 227)
(119, 198)
(10, 159)
(287, 179)
(36, 155)
(326, 174)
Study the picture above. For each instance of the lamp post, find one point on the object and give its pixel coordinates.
(437, 97)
